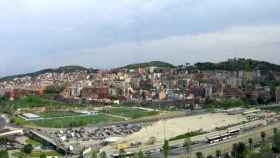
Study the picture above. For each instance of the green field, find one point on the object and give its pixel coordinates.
(21, 122)
(129, 112)
(33, 142)
(58, 114)
(75, 121)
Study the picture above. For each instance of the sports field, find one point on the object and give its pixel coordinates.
(75, 121)
(68, 121)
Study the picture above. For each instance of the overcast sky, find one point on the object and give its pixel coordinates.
(36, 34)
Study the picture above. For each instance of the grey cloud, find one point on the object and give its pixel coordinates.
(252, 42)
(136, 30)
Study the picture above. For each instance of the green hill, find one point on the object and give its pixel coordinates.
(149, 64)
(65, 69)
(237, 64)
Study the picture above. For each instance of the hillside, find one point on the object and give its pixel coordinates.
(66, 69)
(237, 64)
(234, 64)
(149, 64)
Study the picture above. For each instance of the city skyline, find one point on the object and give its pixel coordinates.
(90, 33)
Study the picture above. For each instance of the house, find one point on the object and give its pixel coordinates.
(70, 92)
(17, 93)
(233, 93)
(3, 92)
(95, 93)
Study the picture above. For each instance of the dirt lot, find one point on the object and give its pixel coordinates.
(177, 126)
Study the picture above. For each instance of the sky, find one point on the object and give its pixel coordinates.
(38, 34)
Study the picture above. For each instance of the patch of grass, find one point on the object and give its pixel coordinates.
(58, 114)
(49, 153)
(187, 135)
(36, 154)
(274, 109)
(21, 122)
(75, 121)
(33, 142)
(20, 154)
(129, 112)
(227, 103)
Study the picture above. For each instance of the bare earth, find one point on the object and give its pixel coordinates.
(177, 126)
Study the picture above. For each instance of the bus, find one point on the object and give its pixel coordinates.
(222, 136)
(126, 154)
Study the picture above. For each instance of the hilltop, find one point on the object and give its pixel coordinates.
(65, 69)
(149, 64)
(237, 64)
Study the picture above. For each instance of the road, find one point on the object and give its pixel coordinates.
(208, 149)
(226, 146)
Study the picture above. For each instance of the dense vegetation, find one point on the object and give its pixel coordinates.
(187, 135)
(149, 64)
(237, 64)
(226, 103)
(4, 154)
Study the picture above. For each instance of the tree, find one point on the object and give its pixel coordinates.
(165, 148)
(140, 154)
(43, 155)
(122, 152)
(275, 131)
(234, 150)
(199, 155)
(218, 153)
(263, 135)
(187, 146)
(103, 154)
(4, 154)
(209, 156)
(227, 155)
(250, 141)
(28, 149)
(94, 154)
(239, 150)
(266, 151)
(276, 143)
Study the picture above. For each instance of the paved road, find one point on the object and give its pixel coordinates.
(225, 147)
